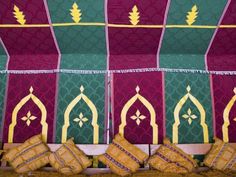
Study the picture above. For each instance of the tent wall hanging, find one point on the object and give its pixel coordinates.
(91, 69)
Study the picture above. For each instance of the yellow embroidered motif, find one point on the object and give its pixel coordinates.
(81, 119)
(138, 117)
(134, 16)
(226, 117)
(150, 108)
(75, 13)
(192, 15)
(189, 116)
(22, 102)
(28, 118)
(20, 17)
(93, 109)
(200, 108)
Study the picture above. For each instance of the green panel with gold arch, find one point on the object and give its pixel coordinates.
(188, 108)
(186, 47)
(81, 108)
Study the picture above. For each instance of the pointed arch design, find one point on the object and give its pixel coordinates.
(22, 102)
(200, 108)
(70, 107)
(226, 112)
(150, 108)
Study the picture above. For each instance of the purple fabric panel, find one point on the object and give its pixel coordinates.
(222, 54)
(134, 47)
(223, 87)
(151, 12)
(132, 61)
(34, 11)
(123, 89)
(33, 62)
(20, 41)
(44, 86)
(27, 45)
(230, 16)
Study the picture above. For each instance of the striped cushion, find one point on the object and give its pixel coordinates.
(29, 156)
(69, 159)
(221, 156)
(170, 158)
(122, 157)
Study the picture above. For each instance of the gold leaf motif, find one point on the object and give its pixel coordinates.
(20, 17)
(192, 15)
(134, 16)
(75, 13)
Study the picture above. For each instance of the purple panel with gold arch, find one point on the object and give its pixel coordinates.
(30, 107)
(137, 106)
(134, 47)
(224, 90)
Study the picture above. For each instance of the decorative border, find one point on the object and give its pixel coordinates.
(126, 152)
(214, 161)
(26, 150)
(178, 152)
(69, 71)
(102, 24)
(75, 156)
(107, 156)
(170, 161)
(32, 159)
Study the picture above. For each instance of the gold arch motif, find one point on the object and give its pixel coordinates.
(150, 108)
(226, 117)
(19, 106)
(94, 116)
(177, 109)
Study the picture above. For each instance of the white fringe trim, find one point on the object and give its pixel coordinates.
(69, 71)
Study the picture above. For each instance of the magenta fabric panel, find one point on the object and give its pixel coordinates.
(224, 91)
(222, 53)
(33, 62)
(43, 87)
(34, 11)
(128, 45)
(137, 103)
(24, 44)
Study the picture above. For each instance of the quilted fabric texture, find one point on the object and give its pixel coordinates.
(171, 159)
(69, 159)
(29, 156)
(221, 156)
(122, 157)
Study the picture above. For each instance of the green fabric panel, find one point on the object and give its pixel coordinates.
(186, 41)
(82, 47)
(69, 89)
(191, 61)
(2, 99)
(3, 58)
(175, 89)
(92, 11)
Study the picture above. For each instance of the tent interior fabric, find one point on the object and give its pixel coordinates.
(89, 69)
